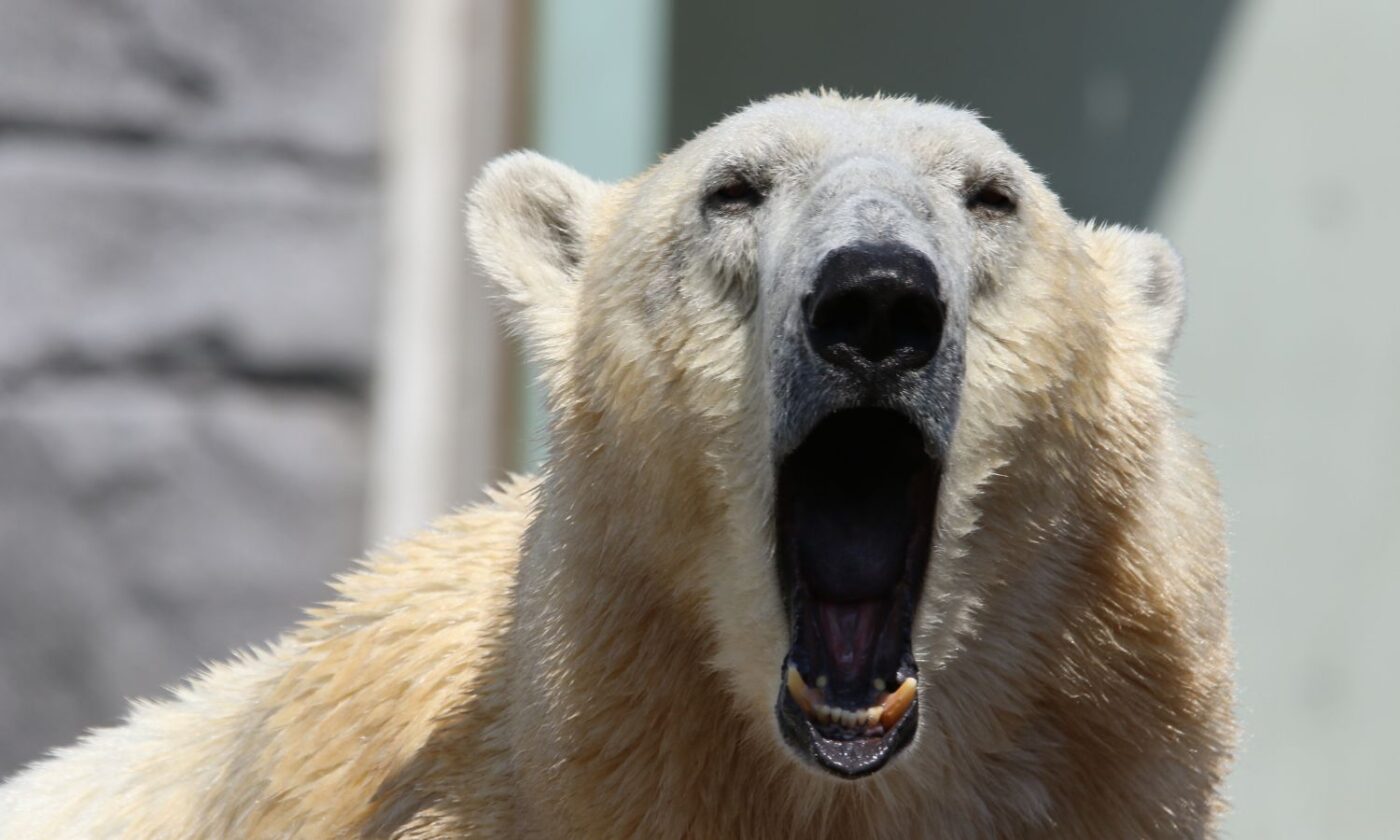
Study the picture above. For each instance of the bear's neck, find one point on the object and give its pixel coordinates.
(619, 646)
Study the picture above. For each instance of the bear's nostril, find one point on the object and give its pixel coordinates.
(843, 318)
(875, 307)
(916, 323)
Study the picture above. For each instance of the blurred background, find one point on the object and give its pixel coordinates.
(241, 341)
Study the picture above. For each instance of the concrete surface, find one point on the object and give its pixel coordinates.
(189, 253)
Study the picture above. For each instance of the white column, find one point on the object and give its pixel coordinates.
(441, 395)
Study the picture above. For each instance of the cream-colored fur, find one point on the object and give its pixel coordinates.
(596, 653)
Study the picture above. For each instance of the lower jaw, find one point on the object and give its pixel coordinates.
(851, 717)
(848, 752)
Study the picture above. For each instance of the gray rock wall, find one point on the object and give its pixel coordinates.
(188, 263)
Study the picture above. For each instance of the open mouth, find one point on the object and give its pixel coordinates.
(854, 529)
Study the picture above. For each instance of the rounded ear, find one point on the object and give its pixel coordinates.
(527, 218)
(1153, 270)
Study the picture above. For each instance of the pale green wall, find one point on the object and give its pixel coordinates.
(600, 83)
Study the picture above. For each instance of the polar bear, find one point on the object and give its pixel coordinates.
(868, 514)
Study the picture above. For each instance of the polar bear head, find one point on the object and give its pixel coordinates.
(832, 379)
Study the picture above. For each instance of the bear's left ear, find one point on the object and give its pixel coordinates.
(1153, 271)
(527, 218)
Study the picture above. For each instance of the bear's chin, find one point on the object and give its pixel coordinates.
(855, 511)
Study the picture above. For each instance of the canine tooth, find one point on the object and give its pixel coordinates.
(898, 703)
(879, 684)
(797, 687)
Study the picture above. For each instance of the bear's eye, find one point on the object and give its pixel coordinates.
(736, 193)
(991, 199)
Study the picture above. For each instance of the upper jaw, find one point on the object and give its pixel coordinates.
(807, 393)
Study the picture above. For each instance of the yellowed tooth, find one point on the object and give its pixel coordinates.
(872, 715)
(797, 687)
(824, 713)
(894, 706)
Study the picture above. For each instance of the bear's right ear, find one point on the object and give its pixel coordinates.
(526, 220)
(1153, 270)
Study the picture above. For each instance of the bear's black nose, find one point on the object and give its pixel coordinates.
(875, 309)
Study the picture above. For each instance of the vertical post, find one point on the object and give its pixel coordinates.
(441, 381)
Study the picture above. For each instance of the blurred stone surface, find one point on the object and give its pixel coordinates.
(148, 527)
(117, 256)
(301, 76)
(188, 259)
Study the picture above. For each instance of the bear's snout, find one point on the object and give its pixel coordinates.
(874, 309)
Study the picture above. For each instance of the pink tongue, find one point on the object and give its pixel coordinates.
(849, 631)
